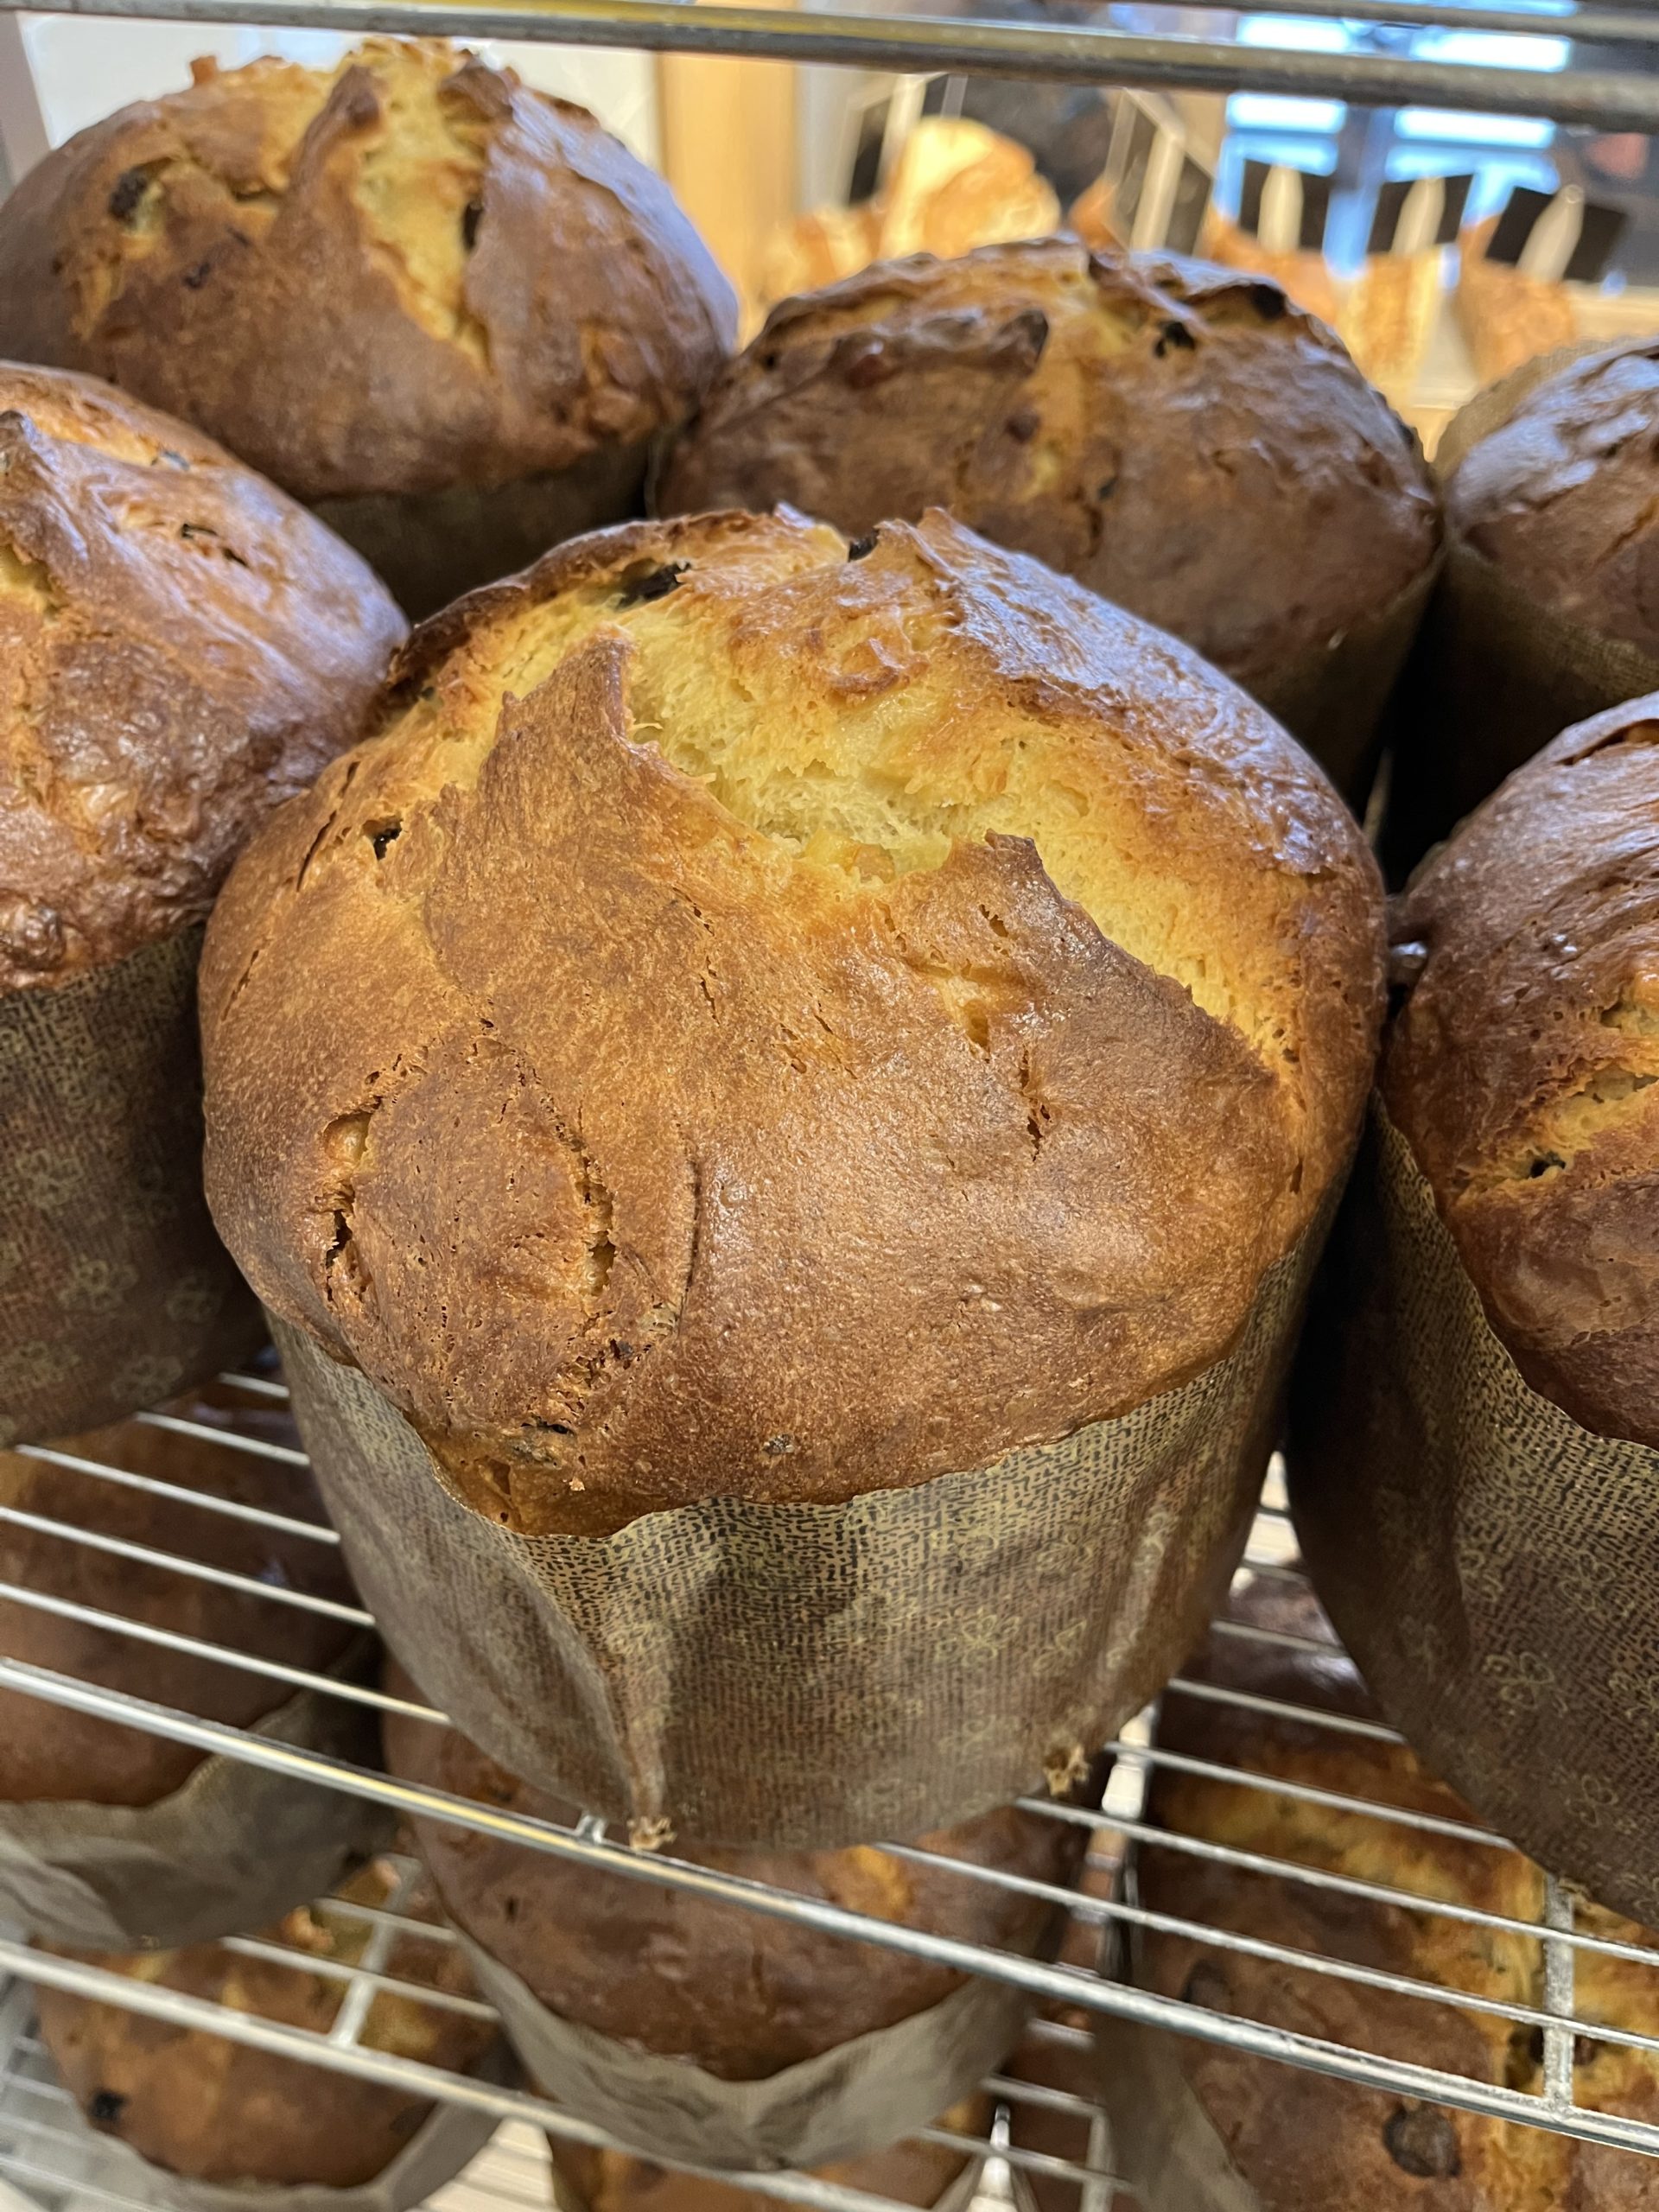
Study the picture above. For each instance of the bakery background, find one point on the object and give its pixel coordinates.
(816, 146)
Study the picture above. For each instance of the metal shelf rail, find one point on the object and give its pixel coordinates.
(1612, 100)
(28, 2144)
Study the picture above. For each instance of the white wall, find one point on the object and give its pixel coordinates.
(85, 66)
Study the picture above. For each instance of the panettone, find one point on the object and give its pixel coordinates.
(741, 1994)
(407, 278)
(184, 648)
(47, 1753)
(1303, 2141)
(200, 2106)
(1180, 438)
(1519, 1062)
(773, 1018)
(1561, 495)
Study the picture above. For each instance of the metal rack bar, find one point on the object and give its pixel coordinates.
(145, 1555)
(1611, 101)
(257, 1447)
(48, 1455)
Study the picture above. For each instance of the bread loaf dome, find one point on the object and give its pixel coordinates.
(1180, 438)
(738, 1993)
(1523, 1062)
(407, 277)
(52, 1755)
(1303, 2141)
(184, 648)
(1562, 495)
(196, 2105)
(774, 1019)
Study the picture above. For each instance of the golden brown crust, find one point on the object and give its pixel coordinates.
(1564, 496)
(787, 1129)
(738, 1993)
(48, 1753)
(410, 272)
(215, 2111)
(1523, 1064)
(181, 647)
(1308, 2143)
(609, 2181)
(1177, 437)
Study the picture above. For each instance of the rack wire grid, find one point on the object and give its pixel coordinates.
(1609, 99)
(43, 2153)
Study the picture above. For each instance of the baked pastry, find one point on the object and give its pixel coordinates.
(1178, 438)
(937, 1007)
(1387, 319)
(48, 1753)
(198, 2106)
(908, 820)
(1305, 2142)
(922, 2174)
(450, 312)
(1520, 1062)
(183, 649)
(1560, 496)
(740, 1994)
(1508, 317)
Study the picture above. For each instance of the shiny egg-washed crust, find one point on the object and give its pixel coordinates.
(1564, 496)
(912, 2172)
(46, 1752)
(198, 2105)
(1177, 436)
(181, 647)
(1522, 1064)
(1306, 2142)
(738, 1993)
(673, 1059)
(409, 272)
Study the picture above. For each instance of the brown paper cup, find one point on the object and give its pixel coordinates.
(1333, 698)
(82, 2158)
(879, 2176)
(114, 1290)
(430, 547)
(1162, 2138)
(235, 1847)
(1492, 1567)
(808, 1676)
(860, 2097)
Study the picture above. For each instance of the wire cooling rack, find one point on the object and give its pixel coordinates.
(42, 2155)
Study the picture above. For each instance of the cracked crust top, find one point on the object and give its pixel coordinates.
(180, 647)
(1179, 437)
(772, 1018)
(407, 273)
(1523, 1064)
(1564, 495)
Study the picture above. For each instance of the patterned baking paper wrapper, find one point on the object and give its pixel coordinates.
(114, 1290)
(808, 1676)
(956, 2196)
(859, 2097)
(1492, 1567)
(1163, 2141)
(1496, 674)
(82, 2158)
(235, 1846)
(430, 547)
(1333, 698)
